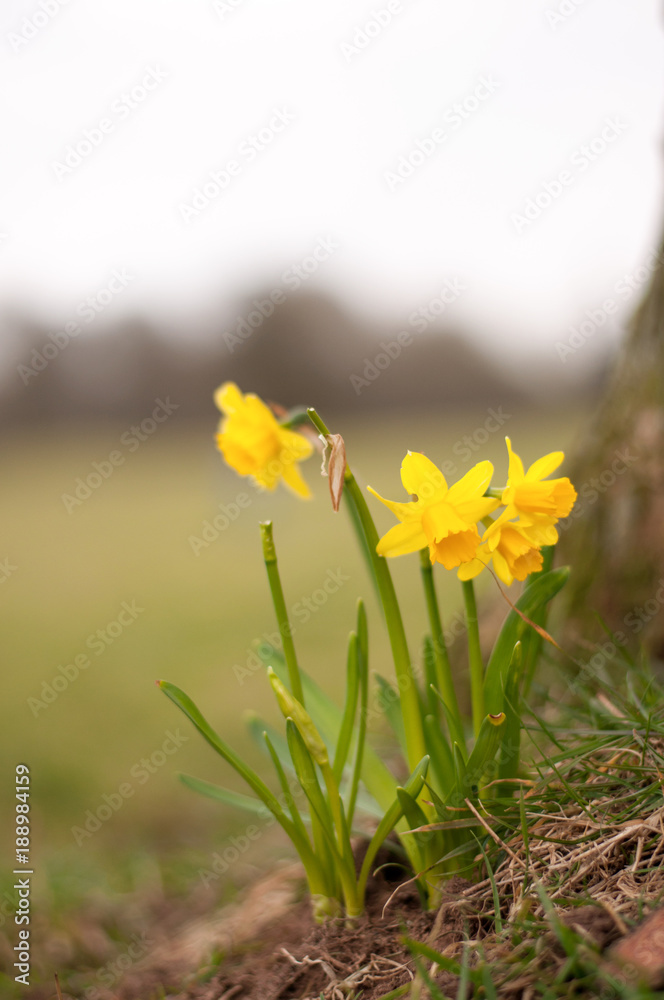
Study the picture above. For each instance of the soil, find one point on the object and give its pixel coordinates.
(273, 950)
(298, 959)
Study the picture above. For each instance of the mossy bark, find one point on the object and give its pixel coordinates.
(615, 542)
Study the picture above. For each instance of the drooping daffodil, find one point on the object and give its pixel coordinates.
(255, 444)
(439, 516)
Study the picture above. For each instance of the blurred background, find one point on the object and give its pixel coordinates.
(430, 220)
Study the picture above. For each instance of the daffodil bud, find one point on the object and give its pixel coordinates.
(336, 468)
(292, 709)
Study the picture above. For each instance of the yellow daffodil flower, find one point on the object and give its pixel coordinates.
(529, 495)
(254, 443)
(514, 548)
(440, 517)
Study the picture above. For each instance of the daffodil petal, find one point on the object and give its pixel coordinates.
(292, 477)
(507, 515)
(472, 485)
(502, 569)
(296, 445)
(256, 411)
(469, 570)
(420, 476)
(404, 511)
(441, 520)
(544, 466)
(475, 510)
(541, 532)
(228, 397)
(236, 456)
(516, 471)
(402, 539)
(267, 477)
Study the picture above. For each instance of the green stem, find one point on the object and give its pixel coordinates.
(410, 705)
(361, 538)
(441, 657)
(474, 655)
(347, 869)
(285, 629)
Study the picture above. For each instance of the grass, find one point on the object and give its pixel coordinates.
(581, 861)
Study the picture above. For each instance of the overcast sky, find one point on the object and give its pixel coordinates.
(115, 111)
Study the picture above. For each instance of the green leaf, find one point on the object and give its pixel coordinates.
(532, 641)
(392, 816)
(534, 597)
(336, 854)
(480, 762)
(430, 679)
(352, 692)
(426, 951)
(285, 629)
(391, 704)
(306, 775)
(186, 705)
(287, 793)
(461, 746)
(442, 761)
(258, 727)
(362, 630)
(456, 795)
(225, 795)
(510, 746)
(362, 652)
(327, 717)
(416, 818)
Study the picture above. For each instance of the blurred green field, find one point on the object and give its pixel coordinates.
(130, 541)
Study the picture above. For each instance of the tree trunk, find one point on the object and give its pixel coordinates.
(615, 537)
